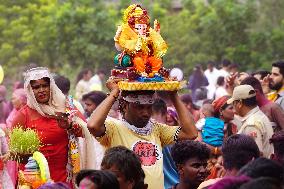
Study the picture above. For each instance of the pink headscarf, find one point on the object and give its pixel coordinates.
(21, 94)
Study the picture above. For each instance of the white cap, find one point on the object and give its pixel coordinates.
(242, 92)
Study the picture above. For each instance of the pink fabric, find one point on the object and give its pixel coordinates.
(3, 91)
(10, 118)
(21, 93)
(262, 100)
(12, 165)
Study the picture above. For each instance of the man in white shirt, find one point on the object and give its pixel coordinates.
(211, 74)
(224, 71)
(95, 82)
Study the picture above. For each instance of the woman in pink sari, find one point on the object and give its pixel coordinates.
(19, 100)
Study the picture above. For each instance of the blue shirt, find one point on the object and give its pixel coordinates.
(171, 176)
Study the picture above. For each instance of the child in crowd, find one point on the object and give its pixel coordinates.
(211, 129)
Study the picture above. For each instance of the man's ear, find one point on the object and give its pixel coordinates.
(272, 156)
(130, 184)
(180, 169)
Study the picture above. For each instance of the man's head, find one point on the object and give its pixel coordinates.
(234, 68)
(201, 93)
(63, 83)
(278, 143)
(226, 63)
(263, 183)
(238, 150)
(260, 75)
(187, 100)
(136, 107)
(221, 81)
(126, 165)
(210, 65)
(191, 160)
(243, 99)
(92, 100)
(96, 179)
(159, 110)
(262, 167)
(85, 75)
(277, 76)
(255, 83)
(101, 74)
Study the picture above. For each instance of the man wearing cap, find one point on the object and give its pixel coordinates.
(254, 122)
(137, 131)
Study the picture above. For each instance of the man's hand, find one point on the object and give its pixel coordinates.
(230, 80)
(111, 84)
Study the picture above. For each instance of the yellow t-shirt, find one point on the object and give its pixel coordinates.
(147, 147)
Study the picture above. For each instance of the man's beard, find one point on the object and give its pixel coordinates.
(276, 86)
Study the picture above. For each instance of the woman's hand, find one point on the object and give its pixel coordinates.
(62, 120)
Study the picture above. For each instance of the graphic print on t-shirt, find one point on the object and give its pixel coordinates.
(148, 152)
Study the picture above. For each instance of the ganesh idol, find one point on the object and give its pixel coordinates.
(141, 47)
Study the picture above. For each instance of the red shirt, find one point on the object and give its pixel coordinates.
(53, 138)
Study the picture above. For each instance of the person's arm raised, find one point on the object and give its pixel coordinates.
(188, 129)
(97, 120)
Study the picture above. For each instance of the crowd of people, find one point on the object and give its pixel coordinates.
(226, 132)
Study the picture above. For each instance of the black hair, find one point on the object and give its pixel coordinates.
(230, 182)
(82, 73)
(127, 162)
(186, 98)
(252, 81)
(250, 102)
(47, 79)
(210, 62)
(238, 150)
(220, 81)
(95, 96)
(226, 62)
(101, 178)
(234, 65)
(279, 64)
(262, 73)
(159, 106)
(201, 93)
(277, 140)
(101, 71)
(63, 83)
(262, 167)
(263, 183)
(187, 149)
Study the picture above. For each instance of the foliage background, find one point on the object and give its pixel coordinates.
(68, 35)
